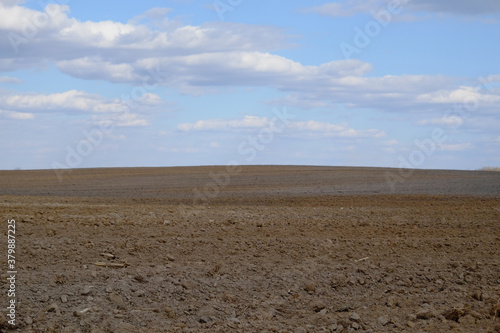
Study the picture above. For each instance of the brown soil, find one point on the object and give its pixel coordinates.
(267, 249)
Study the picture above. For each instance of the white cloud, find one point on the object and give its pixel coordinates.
(74, 101)
(461, 95)
(213, 69)
(18, 19)
(343, 68)
(120, 120)
(351, 7)
(12, 80)
(389, 93)
(150, 99)
(61, 38)
(308, 128)
(453, 7)
(219, 124)
(460, 7)
(16, 115)
(95, 68)
(329, 129)
(69, 101)
(455, 147)
(99, 34)
(7, 3)
(82, 103)
(493, 78)
(447, 121)
(199, 59)
(313, 86)
(157, 13)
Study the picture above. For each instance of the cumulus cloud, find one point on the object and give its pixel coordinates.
(453, 7)
(329, 129)
(351, 7)
(11, 80)
(493, 78)
(158, 16)
(32, 24)
(8, 3)
(74, 100)
(388, 93)
(454, 147)
(200, 59)
(216, 69)
(120, 120)
(69, 101)
(446, 121)
(16, 115)
(197, 59)
(220, 124)
(58, 37)
(101, 109)
(304, 128)
(461, 7)
(95, 68)
(460, 95)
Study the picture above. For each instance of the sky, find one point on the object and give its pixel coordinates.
(385, 83)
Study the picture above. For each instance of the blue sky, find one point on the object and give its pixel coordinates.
(412, 83)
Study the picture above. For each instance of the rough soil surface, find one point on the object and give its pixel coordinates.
(274, 249)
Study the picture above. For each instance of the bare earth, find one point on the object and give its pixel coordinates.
(261, 249)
